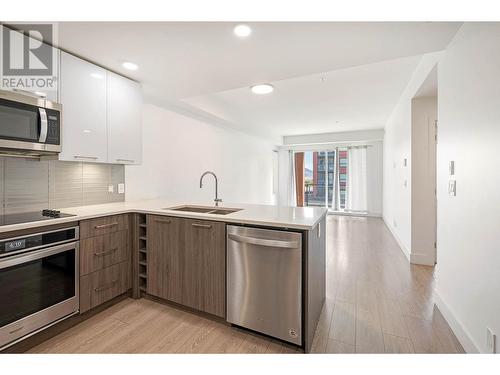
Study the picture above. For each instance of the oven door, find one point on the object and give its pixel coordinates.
(37, 289)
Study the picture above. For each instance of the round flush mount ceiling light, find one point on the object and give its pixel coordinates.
(130, 66)
(262, 89)
(242, 31)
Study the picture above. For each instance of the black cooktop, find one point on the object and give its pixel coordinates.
(26, 217)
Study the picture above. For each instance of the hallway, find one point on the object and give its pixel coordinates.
(376, 301)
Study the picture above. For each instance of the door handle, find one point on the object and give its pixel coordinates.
(263, 242)
(86, 157)
(102, 226)
(102, 253)
(43, 125)
(125, 160)
(16, 330)
(105, 287)
(163, 221)
(206, 226)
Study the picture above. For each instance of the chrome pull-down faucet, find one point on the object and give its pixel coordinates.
(216, 200)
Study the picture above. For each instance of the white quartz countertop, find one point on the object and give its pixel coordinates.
(262, 215)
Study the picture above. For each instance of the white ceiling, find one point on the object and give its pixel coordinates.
(204, 67)
(346, 99)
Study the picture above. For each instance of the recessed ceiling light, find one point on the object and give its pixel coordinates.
(130, 66)
(262, 89)
(96, 75)
(242, 31)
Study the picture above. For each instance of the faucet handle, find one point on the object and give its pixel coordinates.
(217, 200)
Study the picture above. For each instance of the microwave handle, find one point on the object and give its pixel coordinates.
(43, 125)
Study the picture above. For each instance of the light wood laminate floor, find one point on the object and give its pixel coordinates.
(376, 303)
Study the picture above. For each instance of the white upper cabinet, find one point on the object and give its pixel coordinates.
(124, 120)
(83, 98)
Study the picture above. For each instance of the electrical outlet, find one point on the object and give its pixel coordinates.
(121, 188)
(111, 188)
(491, 339)
(405, 162)
(452, 188)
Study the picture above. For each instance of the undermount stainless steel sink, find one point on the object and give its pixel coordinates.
(205, 209)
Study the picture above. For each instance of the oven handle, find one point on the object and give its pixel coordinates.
(43, 125)
(35, 255)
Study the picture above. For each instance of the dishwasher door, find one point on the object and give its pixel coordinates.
(264, 281)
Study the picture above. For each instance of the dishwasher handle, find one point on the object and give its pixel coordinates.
(263, 242)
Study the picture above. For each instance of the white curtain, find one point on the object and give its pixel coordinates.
(292, 199)
(356, 180)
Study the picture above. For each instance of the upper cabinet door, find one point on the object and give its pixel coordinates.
(124, 120)
(83, 99)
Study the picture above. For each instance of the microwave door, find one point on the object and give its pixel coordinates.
(19, 122)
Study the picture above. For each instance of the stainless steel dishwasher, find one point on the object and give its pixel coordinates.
(264, 281)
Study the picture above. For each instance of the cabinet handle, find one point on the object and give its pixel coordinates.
(86, 157)
(16, 330)
(102, 226)
(105, 287)
(102, 253)
(125, 160)
(206, 226)
(164, 221)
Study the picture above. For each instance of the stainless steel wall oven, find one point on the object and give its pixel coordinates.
(39, 276)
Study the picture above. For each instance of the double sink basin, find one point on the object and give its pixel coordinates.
(205, 209)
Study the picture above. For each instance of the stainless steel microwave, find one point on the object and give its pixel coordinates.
(29, 125)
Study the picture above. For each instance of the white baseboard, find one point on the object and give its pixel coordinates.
(456, 326)
(422, 259)
(405, 251)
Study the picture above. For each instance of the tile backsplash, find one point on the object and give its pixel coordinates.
(31, 185)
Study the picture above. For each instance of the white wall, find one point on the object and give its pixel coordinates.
(397, 147)
(177, 149)
(468, 269)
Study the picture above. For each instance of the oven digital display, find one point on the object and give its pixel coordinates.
(15, 245)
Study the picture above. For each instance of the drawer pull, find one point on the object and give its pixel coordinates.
(16, 330)
(102, 226)
(103, 253)
(164, 221)
(105, 287)
(206, 226)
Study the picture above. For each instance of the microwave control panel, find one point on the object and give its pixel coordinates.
(54, 127)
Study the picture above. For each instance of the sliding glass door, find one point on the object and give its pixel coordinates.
(324, 178)
(319, 177)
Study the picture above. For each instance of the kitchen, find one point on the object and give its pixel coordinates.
(209, 258)
(173, 187)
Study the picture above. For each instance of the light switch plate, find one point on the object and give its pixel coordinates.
(121, 188)
(452, 188)
(111, 188)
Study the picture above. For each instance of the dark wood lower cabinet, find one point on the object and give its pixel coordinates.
(164, 261)
(187, 263)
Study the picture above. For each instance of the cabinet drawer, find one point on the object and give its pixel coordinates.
(101, 286)
(103, 251)
(103, 225)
